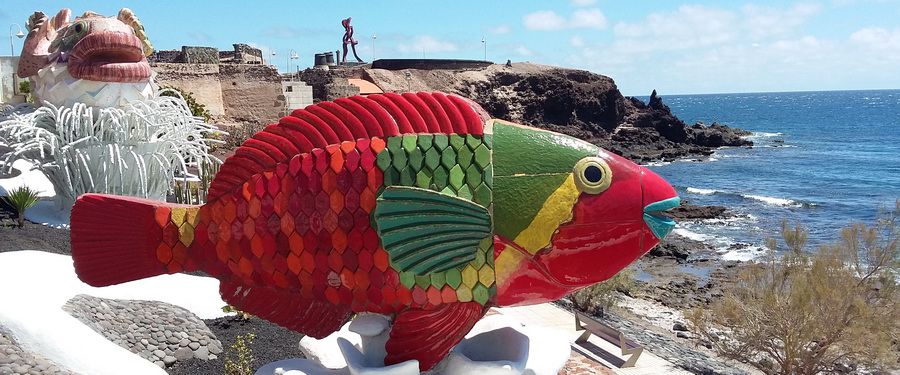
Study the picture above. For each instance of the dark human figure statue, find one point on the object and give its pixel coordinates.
(348, 39)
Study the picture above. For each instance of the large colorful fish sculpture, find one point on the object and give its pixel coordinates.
(417, 206)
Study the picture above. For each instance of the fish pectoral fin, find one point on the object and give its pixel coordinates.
(311, 317)
(428, 335)
(424, 231)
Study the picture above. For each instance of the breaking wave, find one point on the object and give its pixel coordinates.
(700, 191)
(783, 202)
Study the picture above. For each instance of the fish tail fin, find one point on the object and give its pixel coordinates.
(117, 239)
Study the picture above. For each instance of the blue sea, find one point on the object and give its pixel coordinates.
(824, 159)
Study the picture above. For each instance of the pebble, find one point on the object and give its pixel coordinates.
(183, 354)
(157, 331)
(16, 360)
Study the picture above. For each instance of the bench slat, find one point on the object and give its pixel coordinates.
(609, 334)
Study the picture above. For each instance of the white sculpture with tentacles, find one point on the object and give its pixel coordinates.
(101, 125)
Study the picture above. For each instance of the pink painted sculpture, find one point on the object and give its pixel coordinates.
(94, 60)
(417, 206)
(348, 39)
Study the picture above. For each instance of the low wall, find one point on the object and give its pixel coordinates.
(252, 92)
(201, 80)
(427, 64)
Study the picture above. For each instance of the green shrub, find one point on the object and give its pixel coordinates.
(21, 199)
(239, 359)
(596, 298)
(25, 88)
(807, 314)
(236, 135)
(243, 315)
(197, 109)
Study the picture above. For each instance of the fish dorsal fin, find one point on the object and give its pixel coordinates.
(425, 231)
(346, 119)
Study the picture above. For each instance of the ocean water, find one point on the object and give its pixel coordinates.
(824, 159)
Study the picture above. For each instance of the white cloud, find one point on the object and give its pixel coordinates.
(695, 49)
(766, 21)
(882, 43)
(544, 20)
(523, 51)
(499, 29)
(427, 43)
(877, 37)
(583, 3)
(589, 18)
(576, 41)
(548, 20)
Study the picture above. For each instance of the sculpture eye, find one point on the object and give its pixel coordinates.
(592, 175)
(79, 28)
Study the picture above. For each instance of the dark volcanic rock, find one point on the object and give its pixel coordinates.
(676, 247)
(692, 212)
(589, 106)
(575, 102)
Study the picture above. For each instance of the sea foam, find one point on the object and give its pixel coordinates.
(700, 191)
(783, 202)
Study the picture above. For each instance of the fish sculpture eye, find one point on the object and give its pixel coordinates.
(592, 175)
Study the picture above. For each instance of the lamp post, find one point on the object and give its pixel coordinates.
(484, 44)
(292, 56)
(373, 46)
(20, 34)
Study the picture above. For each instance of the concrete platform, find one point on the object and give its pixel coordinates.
(597, 351)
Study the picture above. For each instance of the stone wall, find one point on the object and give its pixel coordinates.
(340, 88)
(199, 55)
(167, 56)
(9, 81)
(245, 54)
(251, 93)
(201, 80)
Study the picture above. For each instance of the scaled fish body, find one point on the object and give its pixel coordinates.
(414, 205)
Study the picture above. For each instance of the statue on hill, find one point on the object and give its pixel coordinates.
(348, 39)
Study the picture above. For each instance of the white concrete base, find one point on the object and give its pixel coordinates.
(497, 345)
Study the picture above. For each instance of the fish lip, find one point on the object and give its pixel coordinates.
(109, 57)
(659, 224)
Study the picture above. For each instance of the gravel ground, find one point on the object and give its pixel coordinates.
(272, 343)
(30, 237)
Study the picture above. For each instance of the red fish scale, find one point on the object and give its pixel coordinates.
(305, 227)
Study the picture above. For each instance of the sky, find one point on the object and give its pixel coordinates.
(675, 47)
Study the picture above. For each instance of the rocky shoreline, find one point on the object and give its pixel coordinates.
(579, 103)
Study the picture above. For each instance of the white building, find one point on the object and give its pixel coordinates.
(9, 81)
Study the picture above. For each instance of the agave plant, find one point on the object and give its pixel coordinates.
(134, 150)
(21, 199)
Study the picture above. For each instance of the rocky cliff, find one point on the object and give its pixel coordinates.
(575, 102)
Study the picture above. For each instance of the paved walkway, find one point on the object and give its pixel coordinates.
(548, 315)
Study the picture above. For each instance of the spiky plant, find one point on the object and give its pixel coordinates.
(134, 150)
(21, 199)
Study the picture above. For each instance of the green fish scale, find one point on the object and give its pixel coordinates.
(455, 165)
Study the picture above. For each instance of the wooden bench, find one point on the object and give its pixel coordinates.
(611, 335)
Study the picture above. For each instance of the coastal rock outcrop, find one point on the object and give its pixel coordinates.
(574, 102)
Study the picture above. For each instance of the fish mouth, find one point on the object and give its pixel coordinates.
(109, 57)
(655, 218)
